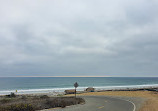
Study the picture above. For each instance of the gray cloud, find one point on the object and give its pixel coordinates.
(78, 38)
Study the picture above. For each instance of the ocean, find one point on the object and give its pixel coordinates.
(29, 85)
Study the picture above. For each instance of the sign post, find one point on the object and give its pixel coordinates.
(75, 85)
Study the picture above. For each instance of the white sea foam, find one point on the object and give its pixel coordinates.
(31, 91)
(126, 86)
(55, 90)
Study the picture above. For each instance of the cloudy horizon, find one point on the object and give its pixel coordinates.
(79, 38)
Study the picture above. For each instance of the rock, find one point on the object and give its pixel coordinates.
(90, 89)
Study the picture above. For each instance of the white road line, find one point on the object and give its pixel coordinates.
(134, 106)
(100, 107)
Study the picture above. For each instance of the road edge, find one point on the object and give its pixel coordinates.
(134, 106)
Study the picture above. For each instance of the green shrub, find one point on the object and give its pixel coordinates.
(37, 103)
(60, 95)
(18, 107)
(36, 97)
(44, 97)
(23, 97)
(5, 100)
(63, 101)
(11, 95)
(63, 104)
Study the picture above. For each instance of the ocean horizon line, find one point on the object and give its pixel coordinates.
(55, 76)
(78, 76)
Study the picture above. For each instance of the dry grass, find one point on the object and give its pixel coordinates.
(150, 105)
(145, 94)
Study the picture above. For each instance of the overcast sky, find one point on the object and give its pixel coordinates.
(78, 37)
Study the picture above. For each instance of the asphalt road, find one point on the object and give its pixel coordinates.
(101, 103)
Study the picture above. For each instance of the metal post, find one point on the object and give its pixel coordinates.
(75, 92)
(75, 85)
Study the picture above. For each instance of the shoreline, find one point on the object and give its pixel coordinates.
(56, 91)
